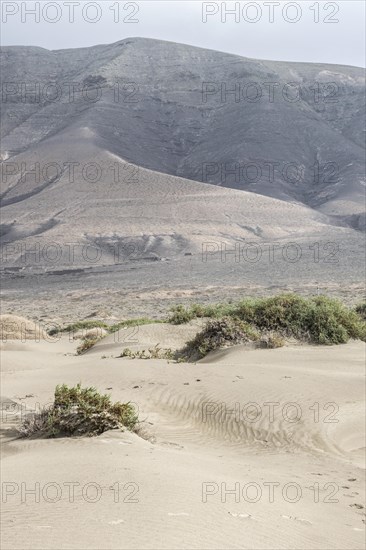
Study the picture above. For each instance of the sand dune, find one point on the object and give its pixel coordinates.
(198, 431)
(146, 336)
(13, 327)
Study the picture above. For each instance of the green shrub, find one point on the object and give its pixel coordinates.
(132, 323)
(329, 322)
(181, 314)
(79, 411)
(319, 319)
(284, 313)
(79, 325)
(217, 334)
(86, 343)
(361, 310)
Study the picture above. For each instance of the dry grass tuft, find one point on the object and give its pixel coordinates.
(79, 411)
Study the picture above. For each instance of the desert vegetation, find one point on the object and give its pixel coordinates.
(152, 353)
(319, 319)
(87, 325)
(218, 333)
(79, 411)
(361, 310)
(267, 322)
(91, 331)
(86, 343)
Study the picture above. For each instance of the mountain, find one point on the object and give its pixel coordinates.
(144, 140)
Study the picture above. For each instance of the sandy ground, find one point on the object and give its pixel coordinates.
(249, 449)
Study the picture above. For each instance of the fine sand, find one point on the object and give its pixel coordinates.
(207, 469)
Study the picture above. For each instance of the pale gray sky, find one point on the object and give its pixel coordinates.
(306, 30)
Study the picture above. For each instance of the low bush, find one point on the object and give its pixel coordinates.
(218, 333)
(86, 343)
(86, 325)
(79, 411)
(151, 353)
(319, 319)
(361, 310)
(132, 323)
(79, 325)
(181, 314)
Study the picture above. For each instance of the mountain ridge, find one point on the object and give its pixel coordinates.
(151, 117)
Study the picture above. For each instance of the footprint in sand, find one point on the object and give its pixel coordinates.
(300, 520)
(170, 444)
(240, 516)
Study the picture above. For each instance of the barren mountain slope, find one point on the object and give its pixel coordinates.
(171, 108)
(98, 143)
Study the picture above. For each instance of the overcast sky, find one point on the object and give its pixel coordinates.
(327, 32)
